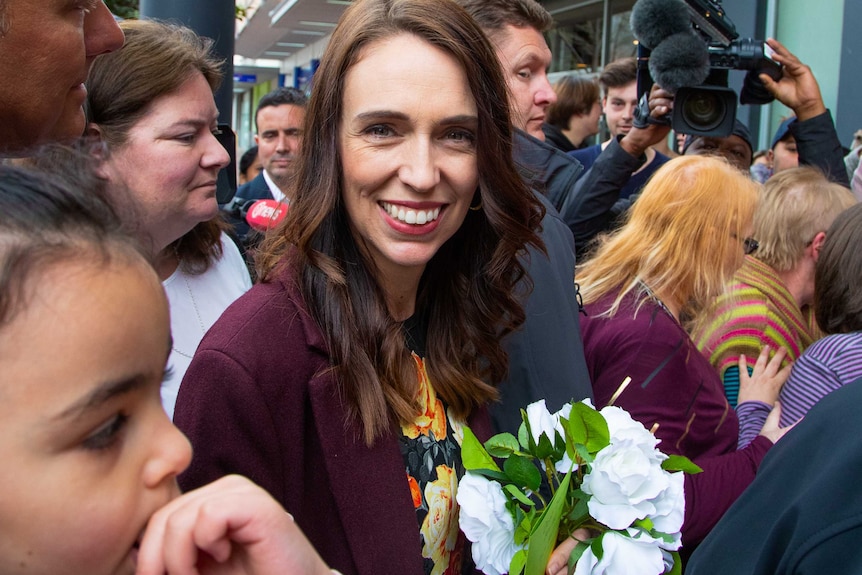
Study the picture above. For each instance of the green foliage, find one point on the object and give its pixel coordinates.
(677, 564)
(587, 426)
(473, 455)
(680, 463)
(544, 537)
(131, 9)
(522, 472)
(124, 8)
(529, 471)
(502, 445)
(576, 554)
(519, 561)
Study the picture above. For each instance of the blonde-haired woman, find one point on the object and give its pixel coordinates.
(686, 235)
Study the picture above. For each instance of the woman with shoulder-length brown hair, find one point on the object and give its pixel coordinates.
(151, 104)
(340, 383)
(644, 285)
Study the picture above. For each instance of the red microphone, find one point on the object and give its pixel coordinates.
(264, 215)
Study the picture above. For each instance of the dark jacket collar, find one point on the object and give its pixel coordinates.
(545, 168)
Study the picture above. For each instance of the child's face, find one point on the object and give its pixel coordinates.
(88, 454)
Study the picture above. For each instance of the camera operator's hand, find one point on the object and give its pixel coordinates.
(797, 89)
(639, 139)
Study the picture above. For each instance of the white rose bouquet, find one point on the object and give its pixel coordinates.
(577, 468)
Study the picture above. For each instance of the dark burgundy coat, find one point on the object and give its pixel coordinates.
(258, 400)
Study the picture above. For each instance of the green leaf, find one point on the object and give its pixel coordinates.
(522, 532)
(518, 561)
(666, 537)
(680, 463)
(587, 426)
(527, 440)
(525, 527)
(523, 472)
(519, 495)
(545, 449)
(582, 453)
(524, 433)
(580, 512)
(646, 524)
(576, 554)
(473, 455)
(596, 546)
(544, 536)
(502, 445)
(677, 564)
(497, 476)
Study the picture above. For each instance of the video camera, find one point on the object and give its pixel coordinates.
(695, 45)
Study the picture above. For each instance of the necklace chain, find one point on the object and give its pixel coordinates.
(656, 299)
(197, 313)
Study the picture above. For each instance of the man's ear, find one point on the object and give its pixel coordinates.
(817, 245)
(93, 132)
(99, 148)
(769, 157)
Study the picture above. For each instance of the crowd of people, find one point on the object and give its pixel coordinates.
(186, 394)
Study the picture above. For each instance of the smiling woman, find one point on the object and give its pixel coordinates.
(376, 331)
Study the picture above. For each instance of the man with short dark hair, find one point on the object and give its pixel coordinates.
(574, 117)
(546, 356)
(46, 49)
(619, 82)
(279, 119)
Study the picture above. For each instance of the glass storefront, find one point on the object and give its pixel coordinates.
(589, 33)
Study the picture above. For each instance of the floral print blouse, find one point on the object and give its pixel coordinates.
(431, 446)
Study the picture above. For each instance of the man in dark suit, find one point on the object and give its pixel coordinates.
(279, 118)
(546, 355)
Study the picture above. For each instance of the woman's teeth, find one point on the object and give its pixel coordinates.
(409, 216)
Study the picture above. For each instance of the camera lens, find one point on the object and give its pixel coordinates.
(704, 110)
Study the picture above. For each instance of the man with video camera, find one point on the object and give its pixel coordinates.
(594, 206)
(813, 130)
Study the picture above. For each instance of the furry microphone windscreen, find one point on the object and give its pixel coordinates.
(680, 60)
(654, 20)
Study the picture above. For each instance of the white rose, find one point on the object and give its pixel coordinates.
(541, 421)
(670, 510)
(565, 464)
(623, 427)
(487, 523)
(544, 422)
(624, 479)
(622, 556)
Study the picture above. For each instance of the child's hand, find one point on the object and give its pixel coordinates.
(228, 527)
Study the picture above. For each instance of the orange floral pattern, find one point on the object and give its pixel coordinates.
(433, 416)
(431, 448)
(415, 493)
(440, 527)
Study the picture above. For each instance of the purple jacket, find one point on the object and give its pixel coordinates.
(677, 391)
(258, 400)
